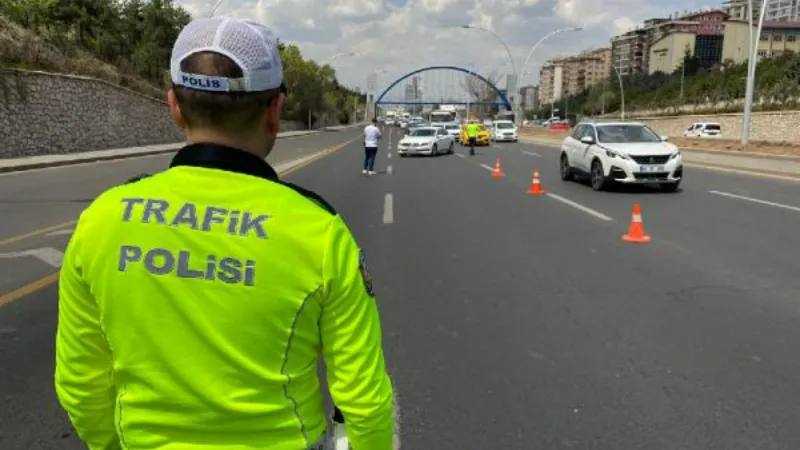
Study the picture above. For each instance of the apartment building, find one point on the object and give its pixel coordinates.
(551, 82)
(738, 10)
(562, 77)
(775, 10)
(782, 11)
(632, 51)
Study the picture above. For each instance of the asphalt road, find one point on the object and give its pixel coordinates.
(510, 321)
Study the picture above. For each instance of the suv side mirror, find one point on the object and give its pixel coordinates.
(664, 137)
(587, 140)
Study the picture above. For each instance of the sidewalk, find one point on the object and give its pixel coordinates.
(37, 162)
(786, 166)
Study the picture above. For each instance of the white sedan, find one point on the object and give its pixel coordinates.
(429, 141)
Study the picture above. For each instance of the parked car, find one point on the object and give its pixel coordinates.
(429, 141)
(704, 130)
(621, 152)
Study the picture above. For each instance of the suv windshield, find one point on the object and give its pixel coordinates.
(505, 125)
(424, 132)
(619, 134)
(451, 127)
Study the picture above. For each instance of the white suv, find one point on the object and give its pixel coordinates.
(621, 152)
(704, 130)
(504, 130)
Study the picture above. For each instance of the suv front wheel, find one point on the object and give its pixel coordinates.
(597, 176)
(566, 170)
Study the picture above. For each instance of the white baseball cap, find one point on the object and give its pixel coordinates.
(253, 47)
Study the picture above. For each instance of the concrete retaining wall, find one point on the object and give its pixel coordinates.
(777, 126)
(43, 113)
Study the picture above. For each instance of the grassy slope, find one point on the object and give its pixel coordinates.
(22, 49)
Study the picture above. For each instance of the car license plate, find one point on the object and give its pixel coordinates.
(650, 169)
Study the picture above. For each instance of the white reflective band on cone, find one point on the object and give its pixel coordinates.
(637, 218)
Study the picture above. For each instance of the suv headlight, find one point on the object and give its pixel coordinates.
(614, 154)
(675, 155)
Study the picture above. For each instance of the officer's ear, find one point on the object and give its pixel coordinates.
(175, 109)
(274, 110)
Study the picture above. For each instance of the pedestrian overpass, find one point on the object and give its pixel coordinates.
(428, 87)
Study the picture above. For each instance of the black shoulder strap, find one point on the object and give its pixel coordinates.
(311, 195)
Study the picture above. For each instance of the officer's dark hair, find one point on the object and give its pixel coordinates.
(374, 120)
(227, 112)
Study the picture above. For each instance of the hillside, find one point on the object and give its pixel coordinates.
(22, 49)
(718, 89)
(128, 43)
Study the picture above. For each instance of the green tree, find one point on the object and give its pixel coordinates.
(137, 36)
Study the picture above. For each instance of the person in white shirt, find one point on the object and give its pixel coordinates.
(371, 136)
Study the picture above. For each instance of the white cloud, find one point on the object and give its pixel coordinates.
(398, 36)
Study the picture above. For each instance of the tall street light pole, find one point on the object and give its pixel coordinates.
(751, 68)
(621, 91)
(510, 58)
(536, 45)
(325, 63)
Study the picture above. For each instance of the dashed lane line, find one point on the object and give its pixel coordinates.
(578, 206)
(756, 200)
(569, 202)
(388, 209)
(531, 153)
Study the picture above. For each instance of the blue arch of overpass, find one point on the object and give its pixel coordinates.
(503, 98)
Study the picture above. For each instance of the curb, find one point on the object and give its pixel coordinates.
(89, 158)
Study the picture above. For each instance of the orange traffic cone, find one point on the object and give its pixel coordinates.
(536, 185)
(636, 231)
(498, 170)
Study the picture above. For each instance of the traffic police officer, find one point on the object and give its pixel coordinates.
(194, 303)
(472, 134)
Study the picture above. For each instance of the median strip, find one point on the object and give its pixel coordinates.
(45, 161)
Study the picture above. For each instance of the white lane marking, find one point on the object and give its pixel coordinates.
(389, 170)
(389, 155)
(388, 209)
(496, 146)
(744, 172)
(460, 155)
(585, 209)
(61, 232)
(531, 153)
(49, 255)
(755, 200)
(487, 167)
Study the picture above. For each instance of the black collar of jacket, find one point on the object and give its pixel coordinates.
(221, 157)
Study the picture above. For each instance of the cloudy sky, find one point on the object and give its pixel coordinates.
(398, 36)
